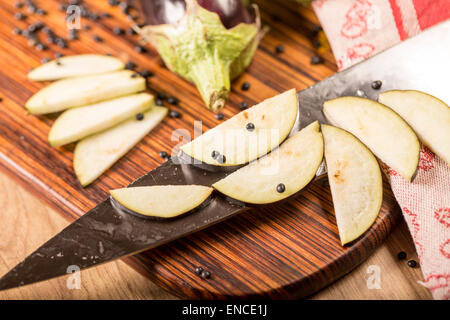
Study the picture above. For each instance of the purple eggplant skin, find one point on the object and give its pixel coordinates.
(231, 12)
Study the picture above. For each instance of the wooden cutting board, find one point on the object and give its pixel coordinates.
(284, 251)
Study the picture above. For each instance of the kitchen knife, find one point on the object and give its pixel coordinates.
(107, 232)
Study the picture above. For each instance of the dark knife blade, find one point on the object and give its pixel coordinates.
(105, 233)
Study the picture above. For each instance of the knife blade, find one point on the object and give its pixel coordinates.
(107, 232)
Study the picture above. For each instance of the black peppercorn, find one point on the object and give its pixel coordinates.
(221, 159)
(20, 16)
(163, 154)
(41, 12)
(174, 114)
(412, 263)
(172, 100)
(243, 105)
(106, 15)
(131, 31)
(18, 5)
(215, 154)
(17, 31)
(401, 255)
(45, 60)
(205, 274)
(140, 116)
(134, 75)
(219, 116)
(159, 102)
(316, 60)
(130, 65)
(86, 27)
(376, 84)
(315, 31)
(118, 31)
(113, 3)
(140, 49)
(250, 126)
(199, 270)
(161, 96)
(97, 38)
(245, 86)
(279, 49)
(281, 188)
(41, 46)
(58, 55)
(60, 42)
(146, 73)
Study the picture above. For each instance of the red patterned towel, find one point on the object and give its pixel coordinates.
(356, 30)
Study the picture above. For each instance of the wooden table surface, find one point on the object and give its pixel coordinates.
(21, 210)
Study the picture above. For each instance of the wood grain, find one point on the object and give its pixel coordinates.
(20, 210)
(285, 251)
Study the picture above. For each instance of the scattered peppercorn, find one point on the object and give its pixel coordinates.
(163, 154)
(86, 27)
(146, 73)
(106, 15)
(219, 116)
(97, 38)
(130, 65)
(215, 154)
(412, 263)
(376, 84)
(159, 102)
(41, 12)
(172, 100)
(205, 274)
(60, 42)
(243, 105)
(199, 270)
(17, 31)
(140, 49)
(131, 31)
(58, 63)
(124, 6)
(41, 47)
(161, 96)
(250, 126)
(281, 188)
(245, 86)
(315, 30)
(174, 114)
(279, 49)
(221, 159)
(401, 255)
(20, 16)
(316, 60)
(113, 3)
(140, 116)
(134, 75)
(316, 44)
(118, 31)
(94, 17)
(18, 5)
(45, 60)
(58, 55)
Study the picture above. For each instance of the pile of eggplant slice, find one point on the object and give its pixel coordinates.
(277, 166)
(103, 107)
